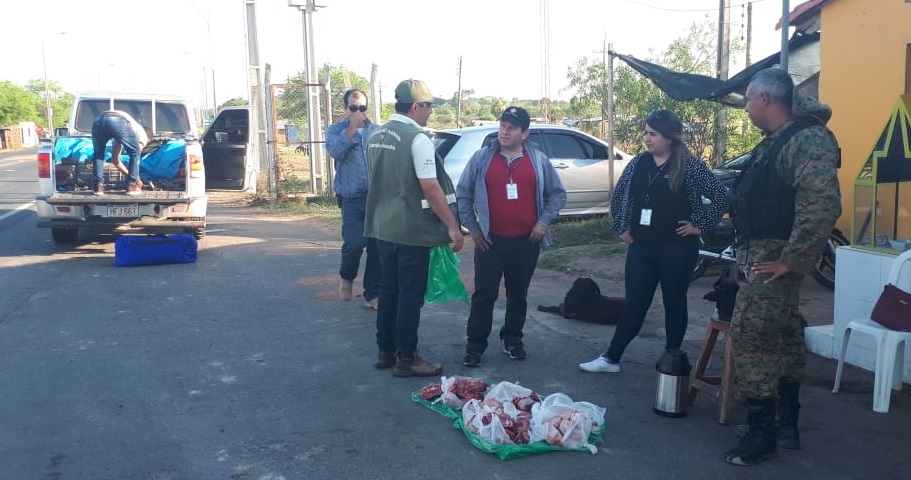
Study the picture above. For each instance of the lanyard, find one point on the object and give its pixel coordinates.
(511, 167)
(651, 181)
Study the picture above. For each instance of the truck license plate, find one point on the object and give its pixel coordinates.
(131, 210)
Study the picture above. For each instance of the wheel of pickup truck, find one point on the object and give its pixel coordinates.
(65, 235)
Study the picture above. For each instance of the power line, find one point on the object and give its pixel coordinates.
(544, 32)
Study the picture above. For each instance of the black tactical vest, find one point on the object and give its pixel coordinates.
(763, 204)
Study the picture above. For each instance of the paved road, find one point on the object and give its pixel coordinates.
(243, 366)
(17, 182)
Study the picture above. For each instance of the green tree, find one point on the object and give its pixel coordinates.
(16, 104)
(61, 101)
(291, 102)
(635, 96)
(235, 102)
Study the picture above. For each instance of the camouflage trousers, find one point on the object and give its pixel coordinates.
(767, 335)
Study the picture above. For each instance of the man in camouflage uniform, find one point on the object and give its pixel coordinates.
(785, 206)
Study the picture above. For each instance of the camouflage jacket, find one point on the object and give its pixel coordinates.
(807, 162)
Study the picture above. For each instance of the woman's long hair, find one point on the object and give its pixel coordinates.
(670, 127)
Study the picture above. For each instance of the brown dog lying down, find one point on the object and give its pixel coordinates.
(584, 302)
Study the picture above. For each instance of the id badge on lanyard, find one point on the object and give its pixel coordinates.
(645, 218)
(512, 191)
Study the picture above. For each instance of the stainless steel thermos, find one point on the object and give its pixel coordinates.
(672, 383)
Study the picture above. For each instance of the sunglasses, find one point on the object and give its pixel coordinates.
(355, 108)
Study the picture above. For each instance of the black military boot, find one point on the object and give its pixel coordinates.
(759, 442)
(788, 413)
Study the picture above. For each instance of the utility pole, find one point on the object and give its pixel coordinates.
(544, 32)
(47, 93)
(257, 95)
(785, 26)
(269, 165)
(374, 97)
(459, 97)
(327, 90)
(317, 179)
(604, 96)
(211, 61)
(724, 51)
(610, 119)
(749, 32)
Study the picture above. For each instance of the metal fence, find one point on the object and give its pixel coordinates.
(300, 159)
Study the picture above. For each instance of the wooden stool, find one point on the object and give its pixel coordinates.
(717, 387)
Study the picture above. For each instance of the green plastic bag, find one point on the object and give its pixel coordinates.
(443, 281)
(501, 450)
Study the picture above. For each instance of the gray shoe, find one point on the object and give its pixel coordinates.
(415, 366)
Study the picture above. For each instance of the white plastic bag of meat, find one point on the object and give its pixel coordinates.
(559, 421)
(570, 429)
(520, 397)
(484, 418)
(592, 412)
(458, 390)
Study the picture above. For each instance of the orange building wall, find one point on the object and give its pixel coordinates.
(862, 60)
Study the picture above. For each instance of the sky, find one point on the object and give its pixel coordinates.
(174, 46)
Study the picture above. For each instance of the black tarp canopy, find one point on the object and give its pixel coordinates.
(688, 86)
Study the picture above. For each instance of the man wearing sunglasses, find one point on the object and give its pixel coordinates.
(346, 142)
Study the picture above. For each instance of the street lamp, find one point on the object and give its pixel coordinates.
(208, 19)
(47, 89)
(47, 92)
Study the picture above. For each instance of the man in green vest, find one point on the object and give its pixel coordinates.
(411, 207)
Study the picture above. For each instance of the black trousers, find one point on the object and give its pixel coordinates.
(512, 259)
(647, 266)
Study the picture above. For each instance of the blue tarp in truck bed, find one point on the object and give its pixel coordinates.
(162, 164)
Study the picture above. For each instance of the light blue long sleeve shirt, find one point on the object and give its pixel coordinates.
(350, 158)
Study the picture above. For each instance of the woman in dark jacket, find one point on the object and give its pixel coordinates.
(658, 208)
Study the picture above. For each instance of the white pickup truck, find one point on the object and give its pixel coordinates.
(172, 170)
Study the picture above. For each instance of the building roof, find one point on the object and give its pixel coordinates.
(804, 12)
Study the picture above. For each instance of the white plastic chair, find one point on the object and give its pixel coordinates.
(890, 350)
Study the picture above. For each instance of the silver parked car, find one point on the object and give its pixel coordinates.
(580, 160)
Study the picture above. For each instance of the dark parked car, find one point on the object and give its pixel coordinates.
(580, 160)
(727, 172)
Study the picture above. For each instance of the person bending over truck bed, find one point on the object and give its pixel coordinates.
(129, 136)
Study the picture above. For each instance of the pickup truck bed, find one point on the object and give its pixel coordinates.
(172, 170)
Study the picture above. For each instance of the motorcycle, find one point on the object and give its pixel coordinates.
(717, 248)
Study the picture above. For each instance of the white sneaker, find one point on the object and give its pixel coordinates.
(600, 365)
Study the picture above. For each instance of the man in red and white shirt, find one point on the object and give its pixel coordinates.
(508, 195)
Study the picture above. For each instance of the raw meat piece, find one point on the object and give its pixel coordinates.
(429, 392)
